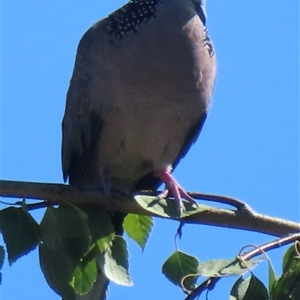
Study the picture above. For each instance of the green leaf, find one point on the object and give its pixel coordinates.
(65, 229)
(234, 293)
(65, 220)
(100, 227)
(288, 285)
(66, 238)
(104, 243)
(179, 265)
(57, 269)
(167, 207)
(99, 223)
(226, 267)
(2, 256)
(20, 232)
(249, 289)
(272, 275)
(138, 227)
(289, 258)
(84, 276)
(114, 262)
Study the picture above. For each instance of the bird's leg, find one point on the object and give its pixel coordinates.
(173, 188)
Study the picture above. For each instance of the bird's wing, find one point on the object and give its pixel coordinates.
(190, 139)
(81, 127)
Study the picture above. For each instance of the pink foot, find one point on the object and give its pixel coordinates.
(173, 188)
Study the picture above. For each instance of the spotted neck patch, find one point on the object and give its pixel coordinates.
(130, 17)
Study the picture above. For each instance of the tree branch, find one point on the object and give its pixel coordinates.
(244, 218)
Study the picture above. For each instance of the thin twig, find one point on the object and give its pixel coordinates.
(210, 283)
(238, 204)
(270, 246)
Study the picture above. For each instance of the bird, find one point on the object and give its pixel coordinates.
(139, 95)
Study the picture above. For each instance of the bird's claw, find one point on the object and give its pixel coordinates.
(174, 188)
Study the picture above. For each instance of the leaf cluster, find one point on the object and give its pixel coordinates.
(76, 245)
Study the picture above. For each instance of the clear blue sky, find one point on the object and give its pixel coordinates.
(249, 147)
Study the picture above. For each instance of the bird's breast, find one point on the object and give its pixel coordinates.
(151, 88)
